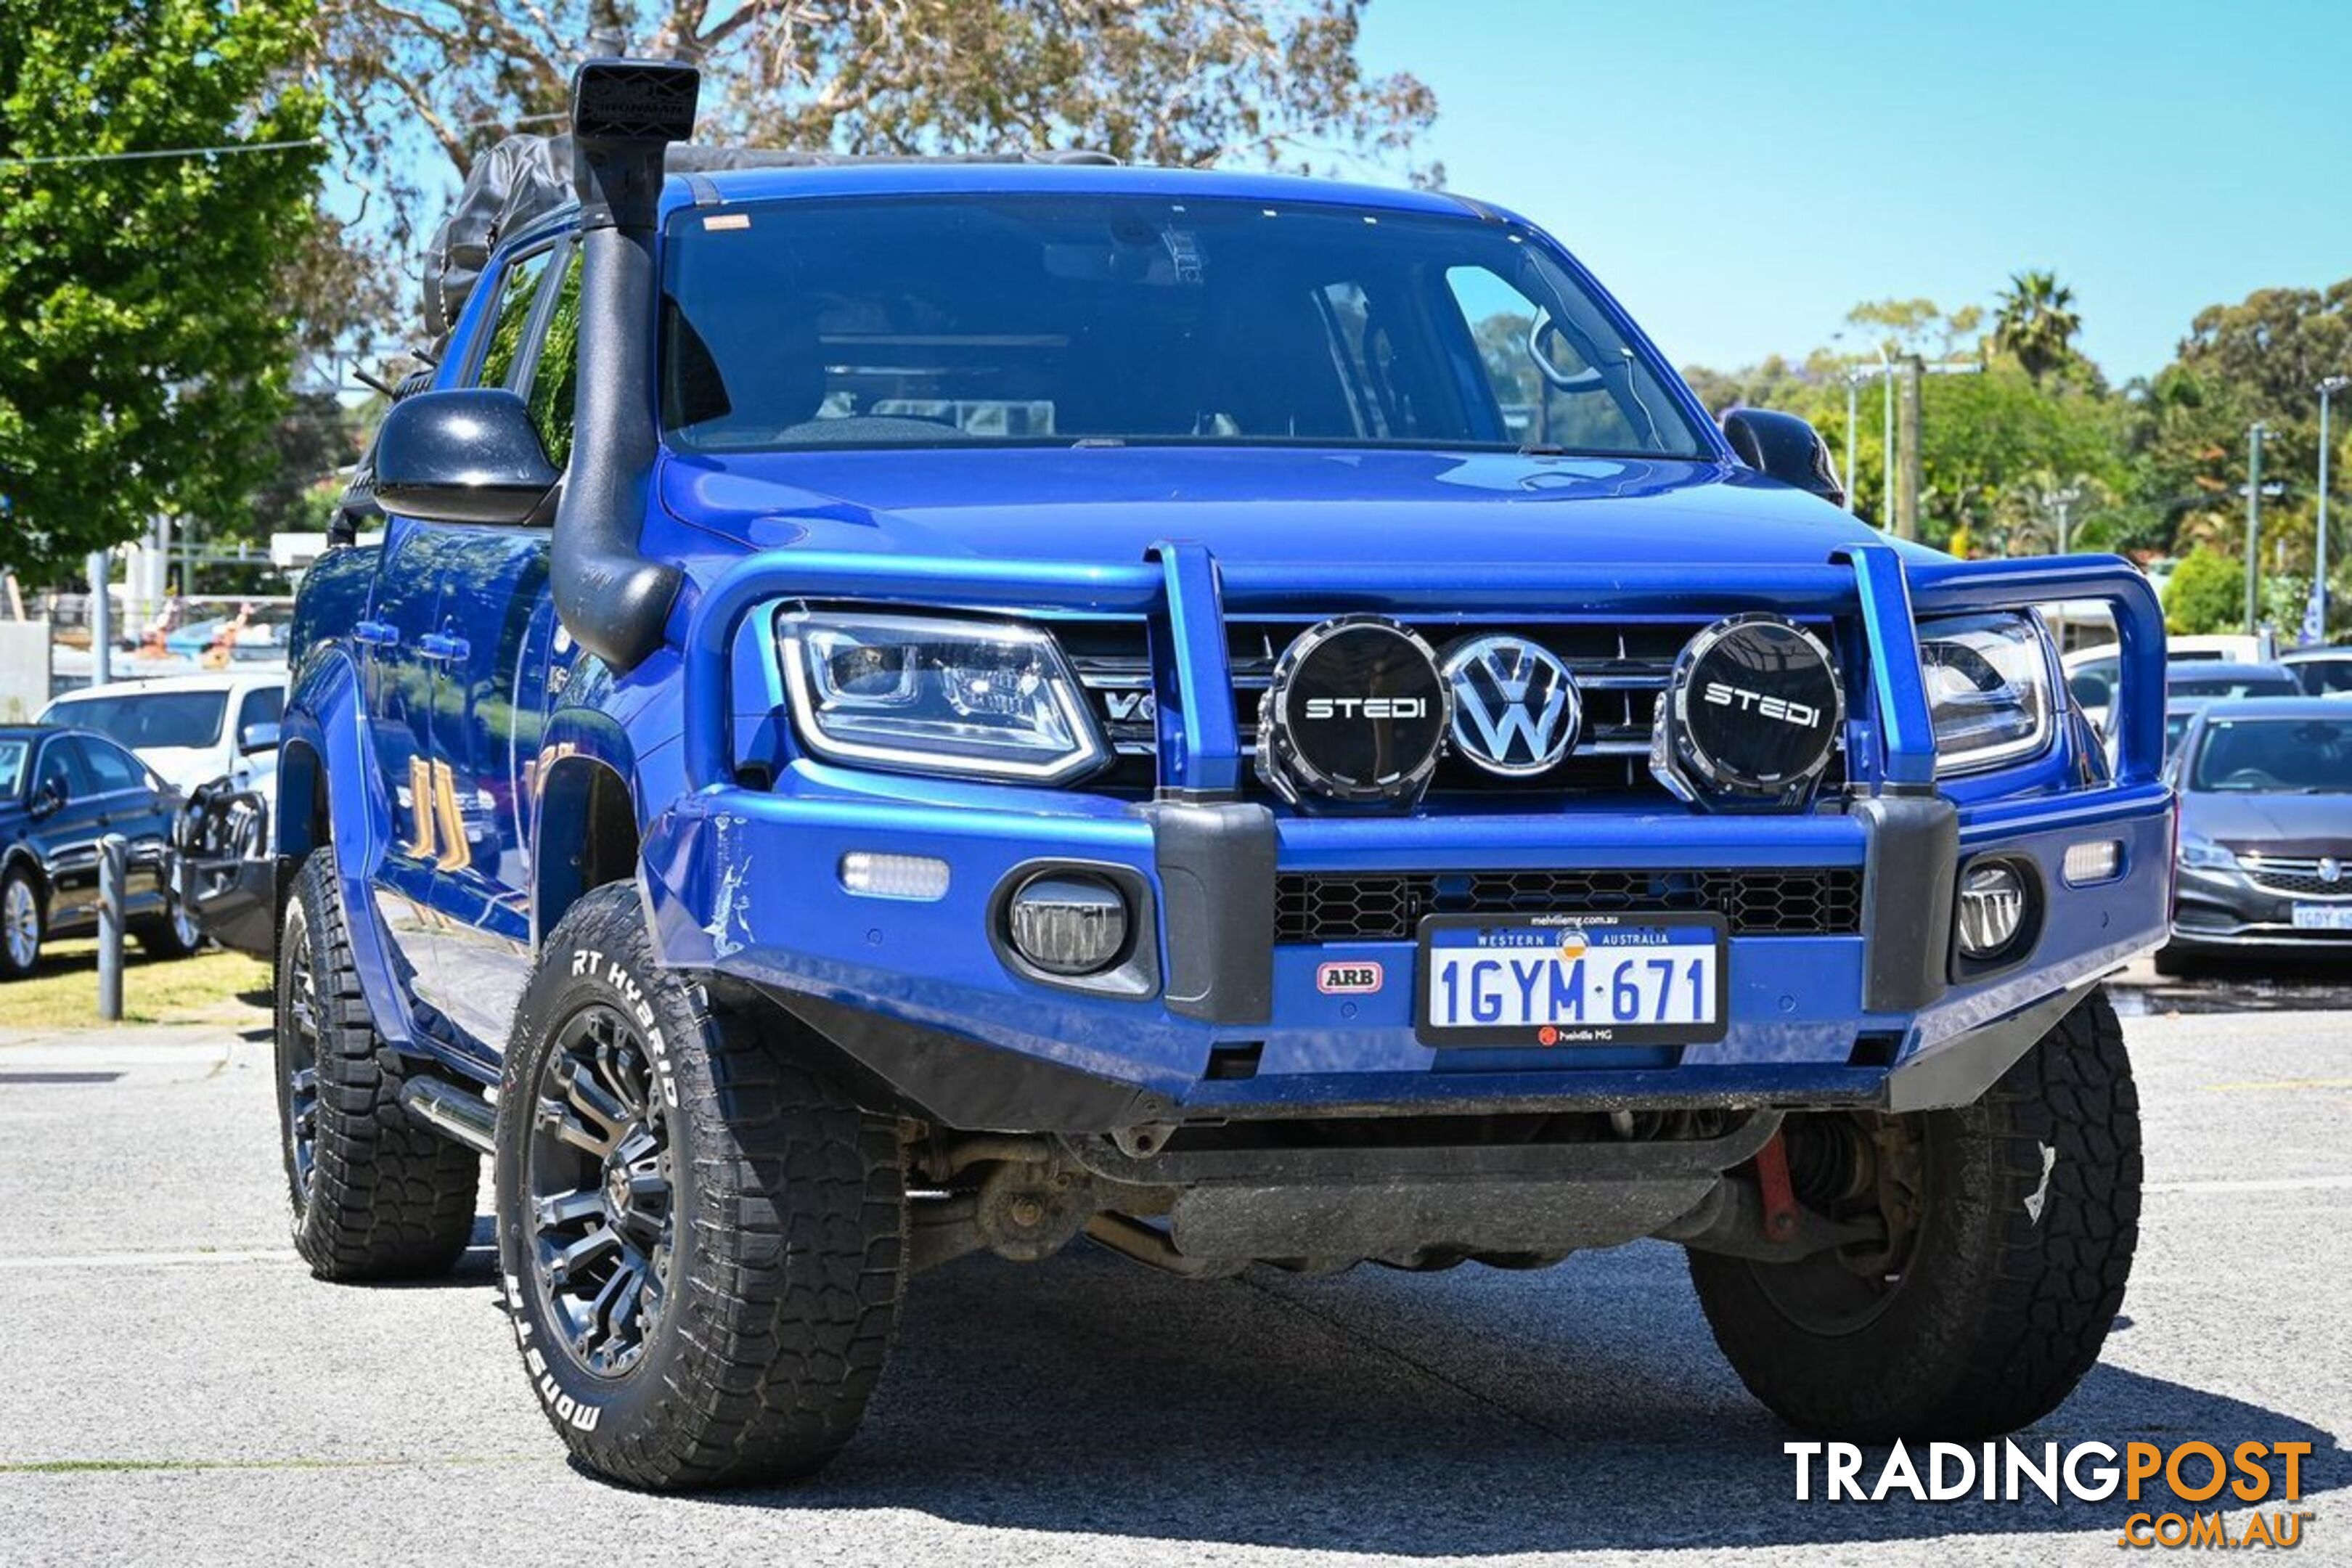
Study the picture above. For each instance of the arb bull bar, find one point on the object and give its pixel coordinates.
(1885, 1018)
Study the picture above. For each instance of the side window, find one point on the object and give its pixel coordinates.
(555, 377)
(1547, 393)
(262, 705)
(518, 287)
(111, 768)
(62, 765)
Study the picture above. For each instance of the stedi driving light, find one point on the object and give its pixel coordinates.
(920, 694)
(1988, 690)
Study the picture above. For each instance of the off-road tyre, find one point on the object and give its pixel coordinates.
(775, 1278)
(375, 1195)
(2029, 1214)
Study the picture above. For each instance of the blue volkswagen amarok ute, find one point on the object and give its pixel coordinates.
(905, 709)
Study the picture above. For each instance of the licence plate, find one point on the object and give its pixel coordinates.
(1572, 980)
(2323, 917)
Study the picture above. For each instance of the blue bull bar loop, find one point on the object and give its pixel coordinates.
(1182, 593)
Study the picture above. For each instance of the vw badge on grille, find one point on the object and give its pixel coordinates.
(1515, 707)
(1355, 712)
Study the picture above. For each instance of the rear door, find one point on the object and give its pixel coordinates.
(132, 801)
(66, 838)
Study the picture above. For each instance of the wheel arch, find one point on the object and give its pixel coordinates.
(587, 837)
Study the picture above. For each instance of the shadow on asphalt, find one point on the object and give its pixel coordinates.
(2264, 985)
(1478, 1414)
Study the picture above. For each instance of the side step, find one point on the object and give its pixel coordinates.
(456, 1113)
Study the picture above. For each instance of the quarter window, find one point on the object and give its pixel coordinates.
(555, 378)
(517, 290)
(111, 768)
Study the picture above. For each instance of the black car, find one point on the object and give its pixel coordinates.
(61, 791)
(2203, 679)
(2265, 788)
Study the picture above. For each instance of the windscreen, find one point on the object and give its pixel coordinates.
(1062, 318)
(143, 719)
(2283, 756)
(12, 767)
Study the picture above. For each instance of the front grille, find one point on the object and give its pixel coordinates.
(1620, 670)
(2301, 876)
(1367, 906)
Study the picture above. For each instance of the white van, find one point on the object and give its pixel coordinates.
(191, 729)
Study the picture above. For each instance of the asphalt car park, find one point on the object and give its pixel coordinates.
(175, 1388)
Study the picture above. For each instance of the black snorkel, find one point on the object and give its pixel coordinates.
(625, 114)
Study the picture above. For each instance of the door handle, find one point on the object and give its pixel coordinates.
(377, 634)
(442, 648)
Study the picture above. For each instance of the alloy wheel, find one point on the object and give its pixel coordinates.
(20, 921)
(601, 1190)
(298, 1057)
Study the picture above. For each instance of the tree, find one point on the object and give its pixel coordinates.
(420, 90)
(2207, 594)
(2036, 320)
(143, 340)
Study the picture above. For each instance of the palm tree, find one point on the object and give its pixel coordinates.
(2037, 323)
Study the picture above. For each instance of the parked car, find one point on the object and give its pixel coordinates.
(60, 792)
(190, 729)
(2323, 672)
(2206, 680)
(2265, 788)
(1242, 718)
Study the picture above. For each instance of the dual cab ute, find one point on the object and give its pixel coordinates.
(913, 708)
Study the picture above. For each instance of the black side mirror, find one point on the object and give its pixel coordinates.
(1784, 447)
(48, 797)
(467, 455)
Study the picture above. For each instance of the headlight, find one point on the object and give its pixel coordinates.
(1988, 690)
(2204, 855)
(933, 695)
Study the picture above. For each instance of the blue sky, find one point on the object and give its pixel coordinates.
(1740, 175)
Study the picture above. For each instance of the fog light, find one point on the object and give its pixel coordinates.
(2099, 860)
(1993, 908)
(917, 877)
(1069, 924)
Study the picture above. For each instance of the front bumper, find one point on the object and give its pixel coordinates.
(745, 882)
(2229, 910)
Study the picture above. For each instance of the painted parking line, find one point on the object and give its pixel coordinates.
(2257, 1185)
(152, 1260)
(2277, 1083)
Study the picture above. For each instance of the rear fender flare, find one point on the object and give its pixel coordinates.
(325, 730)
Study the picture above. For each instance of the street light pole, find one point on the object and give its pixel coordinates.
(1886, 436)
(1851, 381)
(2253, 515)
(2328, 386)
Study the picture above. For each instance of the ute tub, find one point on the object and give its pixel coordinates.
(746, 881)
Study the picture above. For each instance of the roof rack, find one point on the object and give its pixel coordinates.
(524, 178)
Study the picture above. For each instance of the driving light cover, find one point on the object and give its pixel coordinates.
(1988, 690)
(2204, 855)
(924, 694)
